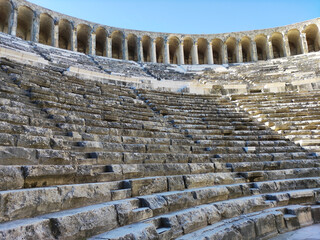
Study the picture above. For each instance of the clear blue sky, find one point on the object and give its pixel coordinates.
(188, 16)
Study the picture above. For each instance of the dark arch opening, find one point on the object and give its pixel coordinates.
(5, 13)
(46, 29)
(65, 34)
(117, 39)
(24, 24)
(101, 38)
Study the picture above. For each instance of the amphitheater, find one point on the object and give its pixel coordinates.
(109, 133)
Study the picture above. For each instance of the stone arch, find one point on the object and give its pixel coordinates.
(5, 14)
(83, 38)
(132, 47)
(187, 48)
(217, 50)
(146, 47)
(231, 49)
(261, 43)
(294, 42)
(65, 34)
(312, 37)
(202, 51)
(117, 40)
(24, 23)
(174, 50)
(277, 45)
(246, 49)
(160, 50)
(101, 41)
(46, 29)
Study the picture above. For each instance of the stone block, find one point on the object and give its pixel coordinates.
(150, 185)
(212, 213)
(7, 139)
(198, 180)
(303, 214)
(265, 225)
(84, 222)
(155, 202)
(48, 175)
(191, 220)
(197, 168)
(212, 194)
(17, 156)
(175, 183)
(29, 203)
(128, 212)
(11, 177)
(246, 228)
(90, 145)
(315, 211)
(179, 200)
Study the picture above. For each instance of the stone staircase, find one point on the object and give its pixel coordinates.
(85, 159)
(294, 115)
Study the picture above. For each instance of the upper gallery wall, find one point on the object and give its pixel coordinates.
(34, 23)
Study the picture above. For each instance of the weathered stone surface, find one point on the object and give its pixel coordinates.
(190, 220)
(136, 231)
(149, 185)
(175, 183)
(156, 203)
(84, 222)
(39, 229)
(11, 177)
(24, 204)
(15, 155)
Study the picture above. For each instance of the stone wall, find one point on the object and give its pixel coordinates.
(32, 22)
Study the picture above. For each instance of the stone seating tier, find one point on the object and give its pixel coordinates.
(84, 157)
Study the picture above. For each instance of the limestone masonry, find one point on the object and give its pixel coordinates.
(110, 133)
(33, 23)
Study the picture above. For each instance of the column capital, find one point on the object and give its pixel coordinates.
(36, 14)
(268, 38)
(56, 21)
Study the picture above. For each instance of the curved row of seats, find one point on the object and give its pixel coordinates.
(86, 159)
(294, 115)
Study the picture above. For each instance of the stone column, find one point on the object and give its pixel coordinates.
(93, 43)
(153, 52)
(254, 54)
(269, 48)
(224, 53)
(13, 22)
(166, 51)
(109, 47)
(140, 50)
(125, 55)
(74, 40)
(35, 27)
(304, 43)
(286, 46)
(55, 40)
(194, 53)
(239, 55)
(181, 53)
(209, 53)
